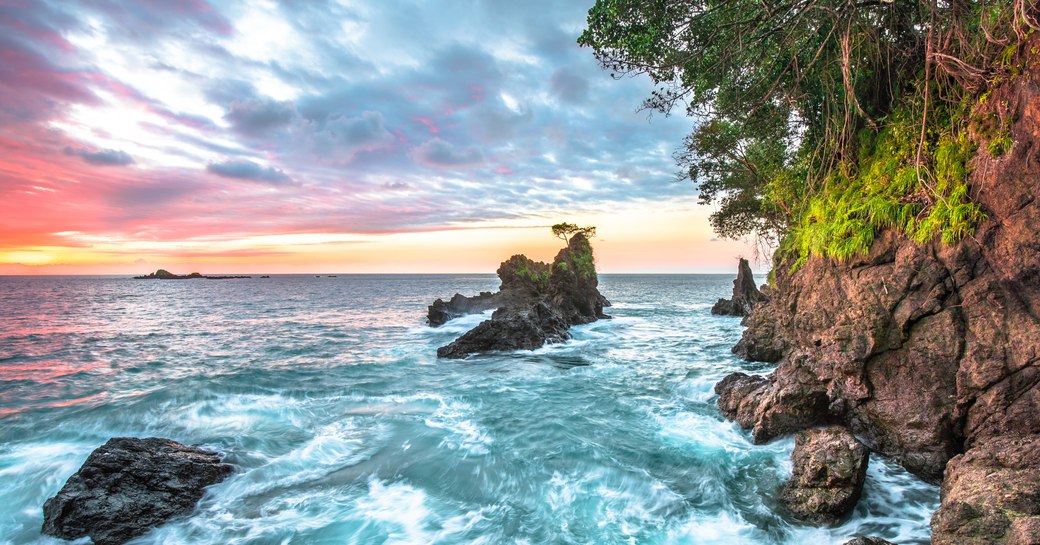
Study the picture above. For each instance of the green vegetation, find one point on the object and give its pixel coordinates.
(567, 230)
(822, 122)
(538, 277)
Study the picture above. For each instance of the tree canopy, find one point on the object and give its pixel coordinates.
(567, 230)
(792, 97)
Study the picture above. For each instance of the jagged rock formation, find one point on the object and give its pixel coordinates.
(537, 303)
(830, 466)
(746, 295)
(128, 486)
(924, 351)
(523, 282)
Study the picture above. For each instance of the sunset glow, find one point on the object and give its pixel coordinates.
(258, 136)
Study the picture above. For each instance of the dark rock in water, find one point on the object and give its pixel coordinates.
(746, 295)
(510, 330)
(128, 486)
(991, 494)
(536, 304)
(868, 541)
(460, 305)
(163, 274)
(830, 466)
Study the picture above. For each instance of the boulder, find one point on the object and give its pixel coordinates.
(746, 295)
(128, 486)
(991, 494)
(830, 466)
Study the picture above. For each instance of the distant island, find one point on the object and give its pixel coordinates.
(163, 274)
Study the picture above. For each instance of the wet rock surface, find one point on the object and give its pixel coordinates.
(830, 467)
(128, 486)
(746, 296)
(536, 304)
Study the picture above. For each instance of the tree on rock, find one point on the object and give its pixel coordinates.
(567, 230)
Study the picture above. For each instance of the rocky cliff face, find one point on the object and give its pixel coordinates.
(926, 352)
(537, 303)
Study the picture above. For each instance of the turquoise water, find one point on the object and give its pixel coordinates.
(326, 395)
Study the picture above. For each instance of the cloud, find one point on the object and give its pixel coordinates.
(569, 86)
(248, 170)
(437, 152)
(105, 157)
(257, 116)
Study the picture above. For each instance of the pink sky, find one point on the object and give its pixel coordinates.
(245, 136)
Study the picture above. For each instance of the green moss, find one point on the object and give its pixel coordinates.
(1000, 144)
(886, 189)
(540, 279)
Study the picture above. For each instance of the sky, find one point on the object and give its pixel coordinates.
(329, 136)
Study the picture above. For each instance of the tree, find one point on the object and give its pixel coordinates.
(567, 230)
(785, 90)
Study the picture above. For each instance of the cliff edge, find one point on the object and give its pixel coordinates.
(929, 353)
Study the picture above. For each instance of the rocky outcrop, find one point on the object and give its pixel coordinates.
(459, 305)
(991, 494)
(746, 295)
(128, 486)
(536, 304)
(924, 351)
(830, 466)
(524, 281)
(163, 274)
(510, 330)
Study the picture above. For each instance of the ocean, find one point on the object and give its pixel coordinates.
(344, 428)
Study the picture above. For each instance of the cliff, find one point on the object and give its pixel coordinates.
(929, 353)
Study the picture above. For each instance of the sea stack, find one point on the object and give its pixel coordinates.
(745, 294)
(536, 304)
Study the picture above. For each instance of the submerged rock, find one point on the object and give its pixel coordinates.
(868, 541)
(746, 295)
(536, 303)
(128, 486)
(830, 466)
(991, 494)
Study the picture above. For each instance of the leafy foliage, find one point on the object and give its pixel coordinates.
(567, 230)
(821, 121)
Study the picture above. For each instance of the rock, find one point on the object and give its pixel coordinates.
(573, 284)
(868, 541)
(776, 405)
(128, 486)
(745, 295)
(163, 274)
(460, 305)
(830, 466)
(510, 330)
(991, 494)
(536, 303)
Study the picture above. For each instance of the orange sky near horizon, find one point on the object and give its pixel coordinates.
(639, 240)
